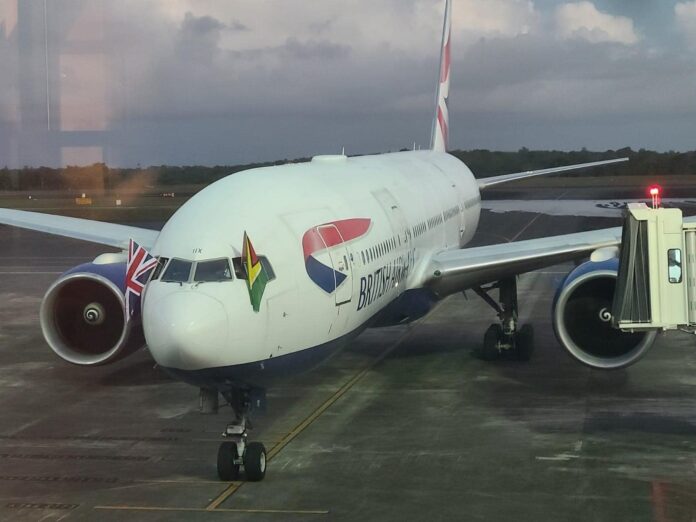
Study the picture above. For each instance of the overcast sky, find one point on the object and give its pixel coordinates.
(224, 82)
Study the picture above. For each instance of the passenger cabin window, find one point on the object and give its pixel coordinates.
(161, 263)
(211, 271)
(674, 265)
(178, 271)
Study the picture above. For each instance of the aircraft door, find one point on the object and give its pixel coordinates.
(339, 257)
(399, 226)
(461, 204)
(394, 214)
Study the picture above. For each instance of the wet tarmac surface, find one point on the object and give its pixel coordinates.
(403, 425)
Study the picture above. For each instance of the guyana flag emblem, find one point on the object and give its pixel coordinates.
(256, 274)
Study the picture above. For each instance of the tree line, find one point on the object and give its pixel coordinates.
(642, 162)
(100, 177)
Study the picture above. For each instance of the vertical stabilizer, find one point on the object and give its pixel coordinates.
(438, 139)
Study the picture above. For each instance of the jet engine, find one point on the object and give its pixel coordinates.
(83, 314)
(582, 318)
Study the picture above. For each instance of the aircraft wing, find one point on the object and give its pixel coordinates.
(85, 229)
(614, 208)
(452, 271)
(456, 270)
(485, 183)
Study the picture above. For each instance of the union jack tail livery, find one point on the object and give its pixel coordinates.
(140, 264)
(440, 133)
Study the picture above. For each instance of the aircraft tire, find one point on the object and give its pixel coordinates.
(255, 461)
(489, 351)
(227, 469)
(524, 345)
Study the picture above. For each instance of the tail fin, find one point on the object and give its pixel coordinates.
(439, 136)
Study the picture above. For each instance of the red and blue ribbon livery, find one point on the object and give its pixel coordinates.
(325, 237)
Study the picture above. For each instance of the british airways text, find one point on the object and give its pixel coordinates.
(375, 285)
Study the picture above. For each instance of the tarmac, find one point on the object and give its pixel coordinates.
(403, 425)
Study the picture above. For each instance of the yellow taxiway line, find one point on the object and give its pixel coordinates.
(227, 493)
(215, 504)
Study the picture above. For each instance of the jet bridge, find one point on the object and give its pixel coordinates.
(656, 283)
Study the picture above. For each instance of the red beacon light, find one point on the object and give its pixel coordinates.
(655, 192)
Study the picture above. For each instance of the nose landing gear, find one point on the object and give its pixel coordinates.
(505, 340)
(236, 452)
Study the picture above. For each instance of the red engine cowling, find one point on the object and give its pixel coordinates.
(83, 318)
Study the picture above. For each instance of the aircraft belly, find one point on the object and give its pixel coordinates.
(266, 372)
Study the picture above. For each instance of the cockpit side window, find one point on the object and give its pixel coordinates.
(240, 271)
(214, 270)
(161, 263)
(178, 271)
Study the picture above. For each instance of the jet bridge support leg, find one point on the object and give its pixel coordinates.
(505, 339)
(237, 452)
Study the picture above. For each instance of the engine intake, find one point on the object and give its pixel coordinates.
(582, 319)
(83, 318)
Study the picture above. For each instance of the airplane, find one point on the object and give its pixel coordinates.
(267, 272)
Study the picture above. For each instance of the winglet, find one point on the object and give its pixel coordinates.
(440, 131)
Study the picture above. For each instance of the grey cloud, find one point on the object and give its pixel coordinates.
(321, 27)
(198, 39)
(202, 25)
(313, 49)
(177, 95)
(572, 79)
(236, 25)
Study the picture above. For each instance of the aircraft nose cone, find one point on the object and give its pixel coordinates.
(185, 330)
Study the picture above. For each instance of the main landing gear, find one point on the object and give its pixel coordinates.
(504, 339)
(237, 452)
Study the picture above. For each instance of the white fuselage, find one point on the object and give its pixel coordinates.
(410, 205)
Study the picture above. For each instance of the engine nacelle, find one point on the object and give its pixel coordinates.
(83, 314)
(582, 319)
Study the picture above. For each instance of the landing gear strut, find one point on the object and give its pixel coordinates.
(236, 452)
(505, 339)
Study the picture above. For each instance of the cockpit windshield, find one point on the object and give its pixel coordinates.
(178, 271)
(215, 270)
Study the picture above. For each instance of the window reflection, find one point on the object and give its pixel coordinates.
(178, 271)
(216, 270)
(55, 82)
(674, 265)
